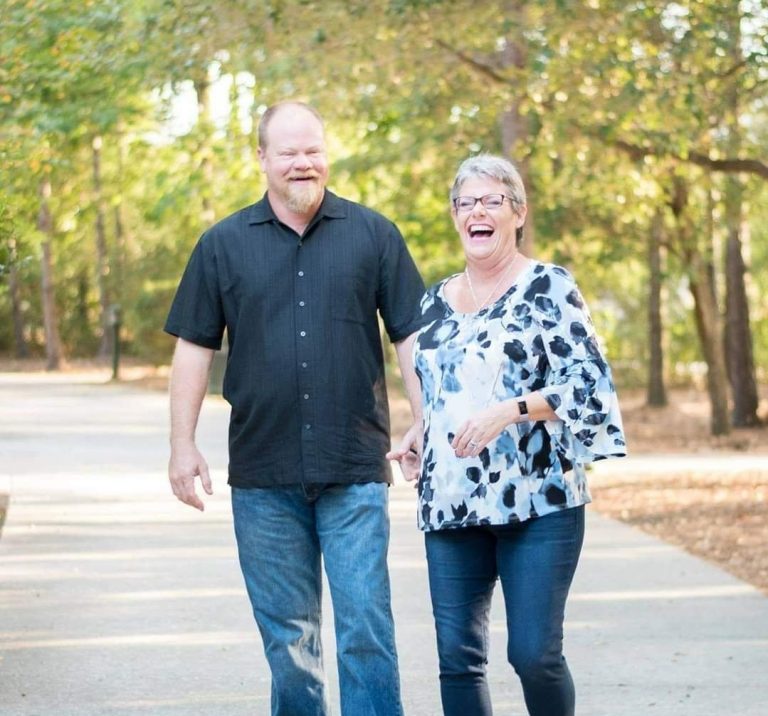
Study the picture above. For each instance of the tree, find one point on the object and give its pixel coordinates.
(656, 394)
(10, 265)
(738, 335)
(601, 104)
(50, 312)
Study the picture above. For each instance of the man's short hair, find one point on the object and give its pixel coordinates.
(267, 117)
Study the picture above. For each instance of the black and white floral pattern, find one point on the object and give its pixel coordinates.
(537, 337)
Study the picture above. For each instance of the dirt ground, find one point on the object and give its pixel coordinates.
(723, 519)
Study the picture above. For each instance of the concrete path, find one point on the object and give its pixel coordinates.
(116, 599)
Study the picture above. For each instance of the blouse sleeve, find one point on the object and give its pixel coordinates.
(578, 384)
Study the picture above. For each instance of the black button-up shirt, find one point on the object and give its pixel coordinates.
(305, 370)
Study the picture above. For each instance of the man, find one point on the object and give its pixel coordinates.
(297, 280)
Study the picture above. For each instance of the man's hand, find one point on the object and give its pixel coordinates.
(186, 463)
(408, 453)
(189, 380)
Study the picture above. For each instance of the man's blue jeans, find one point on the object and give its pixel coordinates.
(535, 561)
(281, 534)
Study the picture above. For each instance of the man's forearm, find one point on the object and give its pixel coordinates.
(188, 384)
(404, 351)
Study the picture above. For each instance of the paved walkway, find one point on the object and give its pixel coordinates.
(116, 599)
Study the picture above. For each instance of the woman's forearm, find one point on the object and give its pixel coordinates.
(536, 404)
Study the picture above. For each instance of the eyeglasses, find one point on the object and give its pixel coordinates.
(489, 201)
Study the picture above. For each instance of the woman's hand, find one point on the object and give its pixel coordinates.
(408, 453)
(484, 426)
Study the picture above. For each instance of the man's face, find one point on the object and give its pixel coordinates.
(294, 160)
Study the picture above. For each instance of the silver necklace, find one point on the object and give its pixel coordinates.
(479, 306)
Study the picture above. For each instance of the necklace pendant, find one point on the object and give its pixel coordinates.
(480, 306)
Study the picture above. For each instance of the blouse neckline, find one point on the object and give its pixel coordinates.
(504, 296)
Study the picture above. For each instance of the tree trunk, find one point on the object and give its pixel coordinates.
(513, 136)
(738, 334)
(121, 236)
(702, 284)
(53, 352)
(738, 343)
(205, 127)
(515, 130)
(711, 339)
(80, 309)
(21, 350)
(119, 252)
(656, 392)
(106, 345)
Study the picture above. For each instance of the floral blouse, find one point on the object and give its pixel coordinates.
(538, 337)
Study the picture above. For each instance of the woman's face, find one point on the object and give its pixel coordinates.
(486, 232)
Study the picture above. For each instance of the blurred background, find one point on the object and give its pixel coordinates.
(641, 129)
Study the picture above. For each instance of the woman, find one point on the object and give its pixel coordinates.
(517, 399)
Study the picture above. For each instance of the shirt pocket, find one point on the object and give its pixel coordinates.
(349, 298)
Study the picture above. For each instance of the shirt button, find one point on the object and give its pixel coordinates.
(303, 333)
(307, 427)
(301, 303)
(304, 364)
(301, 273)
(306, 396)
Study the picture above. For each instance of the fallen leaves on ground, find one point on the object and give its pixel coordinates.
(723, 519)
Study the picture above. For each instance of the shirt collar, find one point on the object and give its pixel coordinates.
(332, 207)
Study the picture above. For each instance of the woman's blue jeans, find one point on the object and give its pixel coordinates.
(535, 561)
(282, 534)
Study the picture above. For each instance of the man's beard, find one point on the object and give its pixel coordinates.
(303, 196)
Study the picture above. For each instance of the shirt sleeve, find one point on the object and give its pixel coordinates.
(578, 386)
(400, 288)
(196, 313)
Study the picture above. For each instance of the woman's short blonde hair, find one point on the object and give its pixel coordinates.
(490, 166)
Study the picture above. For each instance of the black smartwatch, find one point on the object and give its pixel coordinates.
(522, 406)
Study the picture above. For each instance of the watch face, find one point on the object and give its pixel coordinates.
(523, 407)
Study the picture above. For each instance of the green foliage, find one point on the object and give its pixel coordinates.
(609, 100)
